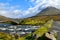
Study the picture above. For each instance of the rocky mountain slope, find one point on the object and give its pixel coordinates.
(49, 11)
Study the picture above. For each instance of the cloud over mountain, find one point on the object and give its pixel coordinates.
(37, 5)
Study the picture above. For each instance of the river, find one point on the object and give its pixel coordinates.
(22, 29)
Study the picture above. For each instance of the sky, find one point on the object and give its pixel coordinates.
(25, 8)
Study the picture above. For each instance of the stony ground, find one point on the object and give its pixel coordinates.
(56, 26)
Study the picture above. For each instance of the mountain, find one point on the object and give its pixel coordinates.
(8, 20)
(43, 16)
(49, 11)
(3, 19)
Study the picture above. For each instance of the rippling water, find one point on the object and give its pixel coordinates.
(8, 28)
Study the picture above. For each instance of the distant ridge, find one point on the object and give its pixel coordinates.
(4, 19)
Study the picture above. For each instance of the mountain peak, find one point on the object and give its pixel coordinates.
(49, 11)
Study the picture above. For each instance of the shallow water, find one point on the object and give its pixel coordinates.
(12, 29)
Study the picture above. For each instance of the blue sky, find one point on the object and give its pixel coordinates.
(23, 5)
(25, 8)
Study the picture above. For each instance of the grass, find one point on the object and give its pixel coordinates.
(45, 28)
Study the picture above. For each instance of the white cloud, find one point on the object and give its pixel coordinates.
(9, 11)
(3, 9)
(16, 11)
(31, 0)
(53, 3)
(35, 9)
(39, 5)
(1, 4)
(5, 13)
